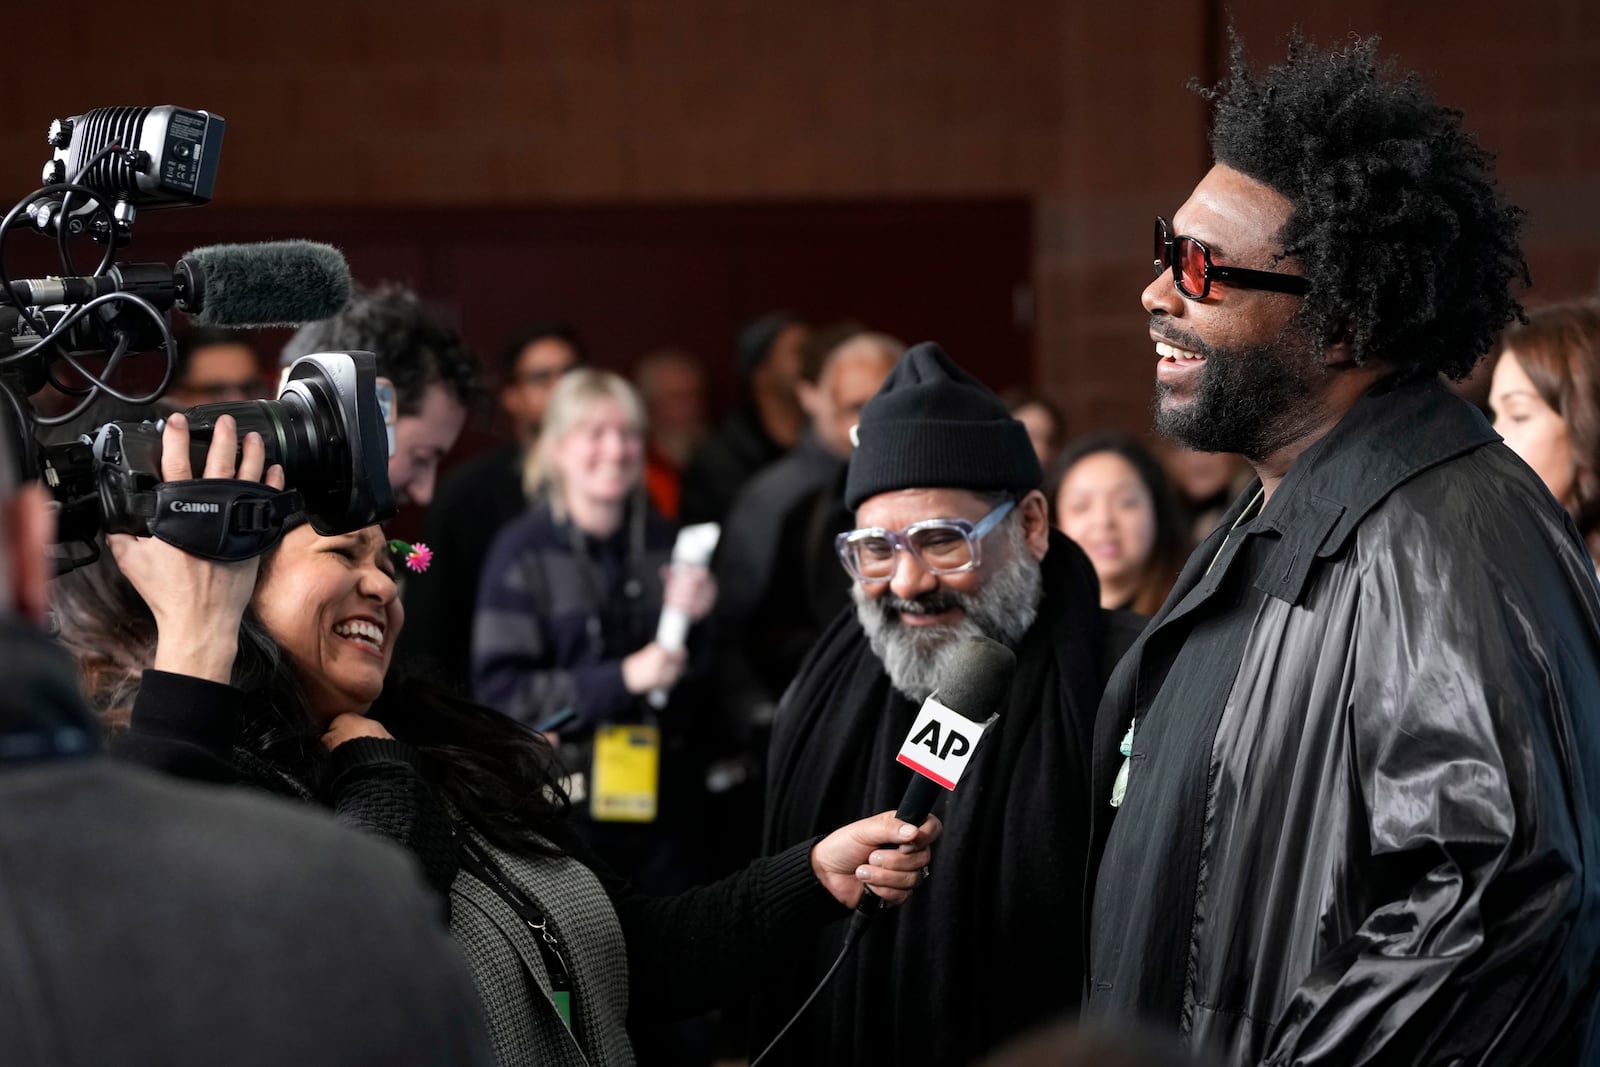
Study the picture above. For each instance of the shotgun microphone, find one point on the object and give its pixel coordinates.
(275, 283)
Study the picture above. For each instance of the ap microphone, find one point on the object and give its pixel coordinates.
(973, 689)
(275, 283)
(951, 722)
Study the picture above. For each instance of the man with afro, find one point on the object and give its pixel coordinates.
(1346, 784)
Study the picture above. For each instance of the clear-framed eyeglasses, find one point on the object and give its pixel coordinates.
(942, 546)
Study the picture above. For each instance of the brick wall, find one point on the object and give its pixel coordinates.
(1079, 107)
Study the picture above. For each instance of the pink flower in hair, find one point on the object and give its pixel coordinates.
(417, 556)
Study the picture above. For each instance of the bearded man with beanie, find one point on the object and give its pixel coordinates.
(957, 973)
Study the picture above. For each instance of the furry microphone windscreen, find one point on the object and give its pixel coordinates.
(276, 283)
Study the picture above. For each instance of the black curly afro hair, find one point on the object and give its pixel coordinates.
(1397, 218)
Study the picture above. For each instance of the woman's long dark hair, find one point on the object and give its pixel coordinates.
(99, 617)
(1559, 350)
(498, 775)
(495, 771)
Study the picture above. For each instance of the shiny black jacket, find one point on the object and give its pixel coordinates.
(1362, 821)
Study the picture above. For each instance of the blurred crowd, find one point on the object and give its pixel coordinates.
(553, 548)
(1295, 760)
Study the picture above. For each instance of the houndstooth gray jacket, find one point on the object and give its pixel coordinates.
(504, 956)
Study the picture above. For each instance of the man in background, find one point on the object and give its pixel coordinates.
(216, 364)
(479, 497)
(778, 580)
(767, 424)
(435, 376)
(672, 384)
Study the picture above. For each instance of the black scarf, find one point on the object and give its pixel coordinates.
(950, 975)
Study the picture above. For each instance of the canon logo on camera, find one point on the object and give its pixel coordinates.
(186, 505)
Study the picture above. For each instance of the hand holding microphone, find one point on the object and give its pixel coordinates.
(951, 722)
(690, 589)
(688, 597)
(654, 668)
(853, 858)
(945, 734)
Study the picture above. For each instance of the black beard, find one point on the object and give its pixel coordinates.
(1253, 400)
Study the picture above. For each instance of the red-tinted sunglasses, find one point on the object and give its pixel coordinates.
(1193, 272)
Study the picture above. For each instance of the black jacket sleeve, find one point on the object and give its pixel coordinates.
(378, 788)
(182, 726)
(709, 945)
(187, 727)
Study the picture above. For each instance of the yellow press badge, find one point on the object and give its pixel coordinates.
(622, 787)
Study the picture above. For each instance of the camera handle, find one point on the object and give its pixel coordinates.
(217, 518)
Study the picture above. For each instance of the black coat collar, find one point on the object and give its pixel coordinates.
(1399, 429)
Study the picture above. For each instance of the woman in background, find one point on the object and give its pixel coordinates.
(1546, 400)
(1044, 420)
(567, 609)
(566, 619)
(1110, 495)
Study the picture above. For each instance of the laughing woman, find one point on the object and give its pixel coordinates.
(280, 678)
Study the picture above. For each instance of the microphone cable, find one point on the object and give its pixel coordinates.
(852, 937)
(977, 685)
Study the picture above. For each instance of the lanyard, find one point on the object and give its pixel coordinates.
(475, 860)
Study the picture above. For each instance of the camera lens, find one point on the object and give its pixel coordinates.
(326, 430)
(299, 431)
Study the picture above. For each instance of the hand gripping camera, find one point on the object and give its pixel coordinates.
(325, 428)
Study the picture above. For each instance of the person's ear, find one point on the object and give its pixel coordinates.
(1341, 351)
(810, 396)
(29, 522)
(1035, 523)
(511, 400)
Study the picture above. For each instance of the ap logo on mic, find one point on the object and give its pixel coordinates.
(941, 742)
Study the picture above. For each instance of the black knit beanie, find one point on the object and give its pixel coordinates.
(934, 426)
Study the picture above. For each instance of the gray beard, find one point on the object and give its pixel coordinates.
(916, 658)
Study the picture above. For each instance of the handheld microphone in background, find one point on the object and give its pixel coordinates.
(693, 548)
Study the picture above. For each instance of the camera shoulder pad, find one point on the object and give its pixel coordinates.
(221, 518)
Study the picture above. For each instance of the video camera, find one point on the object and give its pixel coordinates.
(327, 427)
